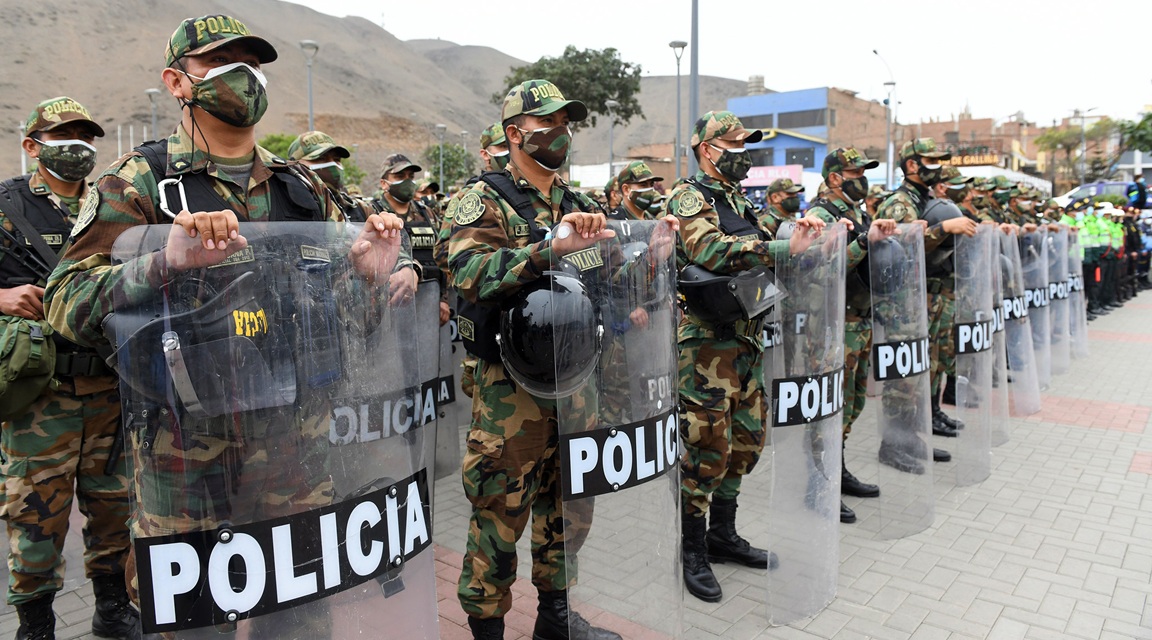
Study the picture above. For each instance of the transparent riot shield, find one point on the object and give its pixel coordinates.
(1034, 262)
(277, 420)
(973, 329)
(615, 377)
(1000, 396)
(900, 360)
(1058, 313)
(1023, 381)
(1077, 302)
(806, 422)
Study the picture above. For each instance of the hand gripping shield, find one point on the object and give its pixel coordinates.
(1023, 381)
(900, 360)
(1077, 301)
(1000, 396)
(972, 333)
(805, 418)
(618, 434)
(1034, 262)
(1058, 313)
(276, 419)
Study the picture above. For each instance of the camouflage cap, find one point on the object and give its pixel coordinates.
(983, 184)
(878, 191)
(428, 184)
(539, 98)
(492, 135)
(1002, 182)
(846, 158)
(313, 144)
(200, 35)
(784, 185)
(396, 163)
(724, 125)
(952, 176)
(58, 111)
(636, 171)
(611, 186)
(923, 147)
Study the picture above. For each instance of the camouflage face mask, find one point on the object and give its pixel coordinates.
(930, 173)
(791, 204)
(499, 161)
(856, 189)
(733, 163)
(957, 194)
(643, 198)
(67, 160)
(332, 173)
(402, 190)
(233, 93)
(548, 147)
(1002, 195)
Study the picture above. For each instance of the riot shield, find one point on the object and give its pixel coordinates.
(1058, 313)
(806, 422)
(1023, 383)
(618, 429)
(972, 334)
(1077, 302)
(1034, 262)
(277, 420)
(900, 360)
(1000, 396)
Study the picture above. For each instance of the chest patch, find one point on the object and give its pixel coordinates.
(470, 209)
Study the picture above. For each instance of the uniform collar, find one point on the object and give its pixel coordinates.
(184, 158)
(39, 187)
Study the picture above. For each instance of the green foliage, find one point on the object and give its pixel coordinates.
(590, 76)
(459, 165)
(1118, 201)
(277, 143)
(1137, 135)
(353, 174)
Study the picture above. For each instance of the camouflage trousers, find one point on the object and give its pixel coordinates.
(468, 373)
(857, 354)
(721, 418)
(942, 346)
(57, 450)
(511, 472)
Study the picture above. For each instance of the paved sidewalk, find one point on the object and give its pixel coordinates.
(1056, 544)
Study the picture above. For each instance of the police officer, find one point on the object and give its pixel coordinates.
(844, 188)
(637, 192)
(721, 372)
(782, 204)
(511, 470)
(66, 443)
(876, 194)
(612, 195)
(398, 196)
(227, 178)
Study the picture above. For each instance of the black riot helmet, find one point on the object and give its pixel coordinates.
(550, 336)
(889, 266)
(939, 210)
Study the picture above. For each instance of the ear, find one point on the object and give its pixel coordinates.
(31, 147)
(174, 81)
(513, 135)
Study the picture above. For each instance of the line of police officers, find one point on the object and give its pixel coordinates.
(498, 235)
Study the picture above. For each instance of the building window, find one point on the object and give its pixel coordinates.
(831, 117)
(803, 156)
(952, 137)
(763, 157)
(797, 119)
(757, 122)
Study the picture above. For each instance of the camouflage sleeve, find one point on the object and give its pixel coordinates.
(855, 254)
(702, 243)
(898, 208)
(485, 263)
(440, 253)
(81, 290)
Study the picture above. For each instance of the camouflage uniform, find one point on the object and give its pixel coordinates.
(190, 472)
(511, 466)
(772, 216)
(636, 171)
(61, 447)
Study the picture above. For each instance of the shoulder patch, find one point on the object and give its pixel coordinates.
(87, 212)
(470, 209)
(689, 204)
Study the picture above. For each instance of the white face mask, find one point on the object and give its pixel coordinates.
(64, 143)
(218, 71)
(325, 165)
(932, 167)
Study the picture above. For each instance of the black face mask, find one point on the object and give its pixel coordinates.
(930, 176)
(790, 204)
(855, 189)
(733, 163)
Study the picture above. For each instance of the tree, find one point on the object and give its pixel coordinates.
(590, 76)
(277, 143)
(459, 165)
(1056, 140)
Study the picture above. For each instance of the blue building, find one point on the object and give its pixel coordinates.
(795, 125)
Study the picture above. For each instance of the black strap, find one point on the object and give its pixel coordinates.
(14, 209)
(156, 153)
(520, 201)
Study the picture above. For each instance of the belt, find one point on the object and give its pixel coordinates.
(80, 363)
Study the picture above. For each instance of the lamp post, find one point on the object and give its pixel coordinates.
(678, 49)
(1083, 144)
(694, 75)
(464, 141)
(310, 47)
(889, 172)
(152, 95)
(611, 104)
(440, 130)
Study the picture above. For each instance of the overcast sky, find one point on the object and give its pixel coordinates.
(1045, 58)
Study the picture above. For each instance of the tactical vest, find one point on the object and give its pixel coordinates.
(480, 321)
(621, 213)
(423, 231)
(51, 221)
(742, 225)
(858, 281)
(292, 196)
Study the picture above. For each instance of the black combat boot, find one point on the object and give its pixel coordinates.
(850, 485)
(847, 516)
(37, 622)
(486, 628)
(115, 616)
(725, 545)
(942, 423)
(900, 457)
(555, 621)
(698, 576)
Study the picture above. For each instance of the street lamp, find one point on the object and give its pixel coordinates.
(678, 49)
(889, 174)
(464, 140)
(1083, 144)
(152, 95)
(694, 76)
(611, 104)
(310, 47)
(440, 128)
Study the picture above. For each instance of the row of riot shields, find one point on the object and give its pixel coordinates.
(1059, 314)
(1077, 301)
(973, 335)
(1034, 263)
(281, 408)
(1018, 301)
